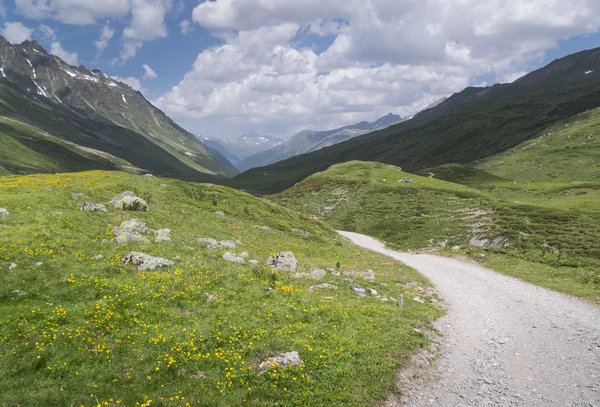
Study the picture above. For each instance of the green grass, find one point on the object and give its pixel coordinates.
(93, 331)
(550, 227)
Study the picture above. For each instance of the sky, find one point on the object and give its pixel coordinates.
(227, 67)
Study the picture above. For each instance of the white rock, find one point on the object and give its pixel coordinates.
(230, 257)
(162, 235)
(369, 275)
(146, 262)
(283, 261)
(3, 212)
(93, 207)
(283, 359)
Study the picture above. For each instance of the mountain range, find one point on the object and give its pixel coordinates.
(311, 140)
(246, 145)
(55, 117)
(473, 124)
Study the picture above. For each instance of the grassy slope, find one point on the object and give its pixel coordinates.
(554, 240)
(91, 331)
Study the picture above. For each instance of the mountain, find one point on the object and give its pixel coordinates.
(217, 146)
(57, 117)
(310, 140)
(468, 126)
(249, 144)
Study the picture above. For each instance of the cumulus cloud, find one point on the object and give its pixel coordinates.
(149, 72)
(133, 82)
(106, 34)
(16, 32)
(71, 58)
(385, 55)
(77, 12)
(186, 27)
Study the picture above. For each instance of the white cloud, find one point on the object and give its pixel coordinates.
(149, 72)
(106, 35)
(16, 32)
(147, 19)
(77, 12)
(134, 83)
(387, 55)
(129, 49)
(47, 32)
(186, 27)
(70, 58)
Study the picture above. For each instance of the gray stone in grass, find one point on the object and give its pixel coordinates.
(322, 287)
(245, 255)
(281, 360)
(358, 290)
(135, 225)
(220, 213)
(372, 291)
(19, 293)
(3, 212)
(254, 262)
(126, 235)
(227, 244)
(127, 201)
(162, 235)
(208, 242)
(232, 258)
(146, 262)
(262, 227)
(98, 257)
(10, 266)
(369, 275)
(283, 261)
(38, 264)
(316, 274)
(93, 207)
(56, 213)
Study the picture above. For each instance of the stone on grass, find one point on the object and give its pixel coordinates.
(282, 359)
(220, 213)
(98, 257)
(369, 275)
(38, 264)
(3, 212)
(232, 258)
(254, 262)
(127, 201)
(359, 290)
(10, 266)
(283, 261)
(126, 235)
(245, 255)
(146, 262)
(372, 291)
(322, 287)
(316, 274)
(227, 244)
(298, 276)
(162, 235)
(134, 224)
(19, 293)
(211, 298)
(208, 242)
(262, 227)
(93, 207)
(405, 180)
(56, 213)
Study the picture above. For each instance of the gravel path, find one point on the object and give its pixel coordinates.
(505, 342)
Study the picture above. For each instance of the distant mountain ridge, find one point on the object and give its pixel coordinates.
(471, 125)
(74, 111)
(310, 140)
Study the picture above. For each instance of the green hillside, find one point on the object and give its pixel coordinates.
(547, 234)
(78, 327)
(469, 126)
(89, 111)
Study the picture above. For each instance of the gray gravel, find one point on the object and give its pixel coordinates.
(505, 342)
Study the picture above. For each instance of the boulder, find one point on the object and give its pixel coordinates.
(357, 289)
(127, 201)
(135, 225)
(208, 242)
(369, 275)
(123, 235)
(162, 235)
(282, 359)
(232, 258)
(146, 262)
(283, 261)
(3, 212)
(93, 207)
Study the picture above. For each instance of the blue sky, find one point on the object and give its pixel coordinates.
(227, 67)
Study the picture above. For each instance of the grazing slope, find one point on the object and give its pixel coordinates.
(92, 111)
(471, 125)
(79, 327)
(310, 140)
(548, 234)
